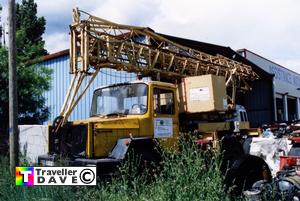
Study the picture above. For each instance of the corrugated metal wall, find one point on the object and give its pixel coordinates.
(61, 80)
(259, 102)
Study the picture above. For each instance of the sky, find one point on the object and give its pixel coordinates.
(270, 28)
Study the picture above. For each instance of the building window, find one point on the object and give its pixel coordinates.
(279, 107)
(292, 108)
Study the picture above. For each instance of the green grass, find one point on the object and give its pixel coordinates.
(184, 176)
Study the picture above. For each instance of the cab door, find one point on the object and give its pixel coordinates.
(166, 124)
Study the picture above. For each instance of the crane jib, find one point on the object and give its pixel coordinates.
(98, 43)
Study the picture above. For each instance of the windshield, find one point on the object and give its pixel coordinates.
(129, 98)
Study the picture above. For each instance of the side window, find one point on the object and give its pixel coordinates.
(163, 101)
(246, 117)
(241, 116)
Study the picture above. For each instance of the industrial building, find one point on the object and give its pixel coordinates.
(286, 86)
(260, 103)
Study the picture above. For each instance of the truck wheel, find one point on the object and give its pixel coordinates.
(232, 150)
(144, 155)
(245, 172)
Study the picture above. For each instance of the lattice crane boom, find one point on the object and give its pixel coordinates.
(97, 43)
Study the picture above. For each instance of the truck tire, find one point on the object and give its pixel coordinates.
(232, 150)
(245, 172)
(145, 154)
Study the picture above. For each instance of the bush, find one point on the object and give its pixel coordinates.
(189, 175)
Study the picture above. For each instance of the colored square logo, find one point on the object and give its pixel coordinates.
(24, 176)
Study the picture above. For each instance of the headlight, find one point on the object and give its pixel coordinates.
(285, 186)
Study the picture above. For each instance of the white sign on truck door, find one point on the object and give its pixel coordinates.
(163, 127)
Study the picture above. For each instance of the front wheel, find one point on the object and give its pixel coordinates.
(245, 172)
(143, 157)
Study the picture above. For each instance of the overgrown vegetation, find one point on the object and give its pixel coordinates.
(185, 176)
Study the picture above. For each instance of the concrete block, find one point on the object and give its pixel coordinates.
(33, 141)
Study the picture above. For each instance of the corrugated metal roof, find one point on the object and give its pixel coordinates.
(56, 54)
(218, 49)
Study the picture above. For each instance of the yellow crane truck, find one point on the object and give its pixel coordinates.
(183, 91)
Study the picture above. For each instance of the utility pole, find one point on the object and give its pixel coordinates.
(1, 29)
(12, 84)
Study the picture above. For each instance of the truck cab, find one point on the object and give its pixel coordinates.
(240, 114)
(136, 111)
(133, 109)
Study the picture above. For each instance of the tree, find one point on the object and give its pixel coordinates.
(33, 78)
(30, 29)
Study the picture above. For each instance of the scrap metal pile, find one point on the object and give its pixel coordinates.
(280, 147)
